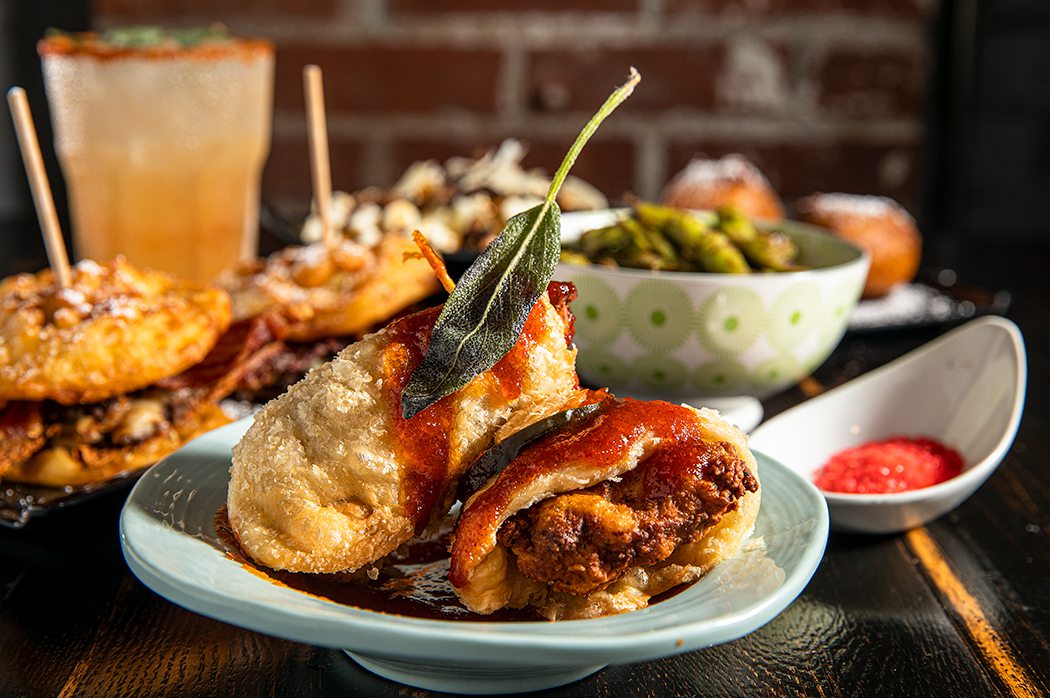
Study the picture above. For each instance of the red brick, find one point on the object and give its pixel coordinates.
(891, 8)
(581, 80)
(391, 78)
(287, 172)
(432, 7)
(209, 10)
(870, 83)
(608, 164)
(798, 168)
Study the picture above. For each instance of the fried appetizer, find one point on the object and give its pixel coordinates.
(96, 442)
(876, 224)
(330, 477)
(343, 291)
(733, 180)
(48, 444)
(598, 517)
(21, 433)
(114, 330)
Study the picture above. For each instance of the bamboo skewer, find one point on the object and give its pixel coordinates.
(39, 185)
(320, 163)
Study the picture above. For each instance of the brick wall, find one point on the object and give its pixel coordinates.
(822, 94)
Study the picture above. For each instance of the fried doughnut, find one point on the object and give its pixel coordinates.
(114, 330)
(733, 180)
(599, 517)
(330, 477)
(332, 293)
(877, 224)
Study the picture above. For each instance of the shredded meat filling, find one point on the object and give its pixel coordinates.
(583, 541)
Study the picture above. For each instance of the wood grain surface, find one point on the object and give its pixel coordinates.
(958, 608)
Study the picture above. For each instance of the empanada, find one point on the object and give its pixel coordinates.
(330, 477)
(600, 516)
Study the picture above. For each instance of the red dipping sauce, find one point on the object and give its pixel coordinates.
(898, 464)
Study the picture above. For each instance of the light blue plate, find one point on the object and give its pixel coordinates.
(169, 518)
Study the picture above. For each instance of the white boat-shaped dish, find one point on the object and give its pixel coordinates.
(168, 537)
(966, 389)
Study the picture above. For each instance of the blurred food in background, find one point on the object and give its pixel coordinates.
(876, 224)
(461, 205)
(111, 373)
(650, 236)
(339, 292)
(162, 135)
(710, 183)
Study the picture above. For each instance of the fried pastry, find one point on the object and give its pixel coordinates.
(48, 444)
(330, 477)
(142, 433)
(600, 516)
(733, 180)
(344, 291)
(114, 330)
(21, 433)
(878, 225)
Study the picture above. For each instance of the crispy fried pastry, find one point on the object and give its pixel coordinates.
(129, 434)
(330, 477)
(597, 518)
(733, 180)
(21, 433)
(332, 293)
(114, 330)
(55, 445)
(877, 224)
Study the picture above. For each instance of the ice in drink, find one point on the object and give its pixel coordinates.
(161, 137)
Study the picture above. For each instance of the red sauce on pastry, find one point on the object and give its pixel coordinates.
(562, 293)
(601, 441)
(510, 371)
(898, 464)
(423, 440)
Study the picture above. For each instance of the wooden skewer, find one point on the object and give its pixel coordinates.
(320, 163)
(39, 185)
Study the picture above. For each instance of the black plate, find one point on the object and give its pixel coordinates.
(20, 503)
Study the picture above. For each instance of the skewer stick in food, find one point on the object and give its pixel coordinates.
(320, 164)
(38, 183)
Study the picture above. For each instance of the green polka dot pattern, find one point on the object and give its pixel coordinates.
(597, 309)
(659, 372)
(602, 367)
(730, 320)
(775, 370)
(658, 315)
(841, 300)
(794, 314)
(721, 377)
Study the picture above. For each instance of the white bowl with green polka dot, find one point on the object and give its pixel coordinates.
(691, 335)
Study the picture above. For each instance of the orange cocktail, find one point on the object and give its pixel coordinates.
(162, 137)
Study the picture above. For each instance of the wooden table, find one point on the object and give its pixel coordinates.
(959, 608)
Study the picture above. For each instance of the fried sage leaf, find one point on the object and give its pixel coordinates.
(487, 310)
(494, 460)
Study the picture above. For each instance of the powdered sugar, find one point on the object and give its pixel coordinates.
(908, 304)
(854, 204)
(731, 168)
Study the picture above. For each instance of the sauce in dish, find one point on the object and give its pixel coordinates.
(897, 464)
(412, 581)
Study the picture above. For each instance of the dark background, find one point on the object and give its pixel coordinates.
(942, 106)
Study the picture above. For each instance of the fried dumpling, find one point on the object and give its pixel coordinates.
(330, 477)
(600, 516)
